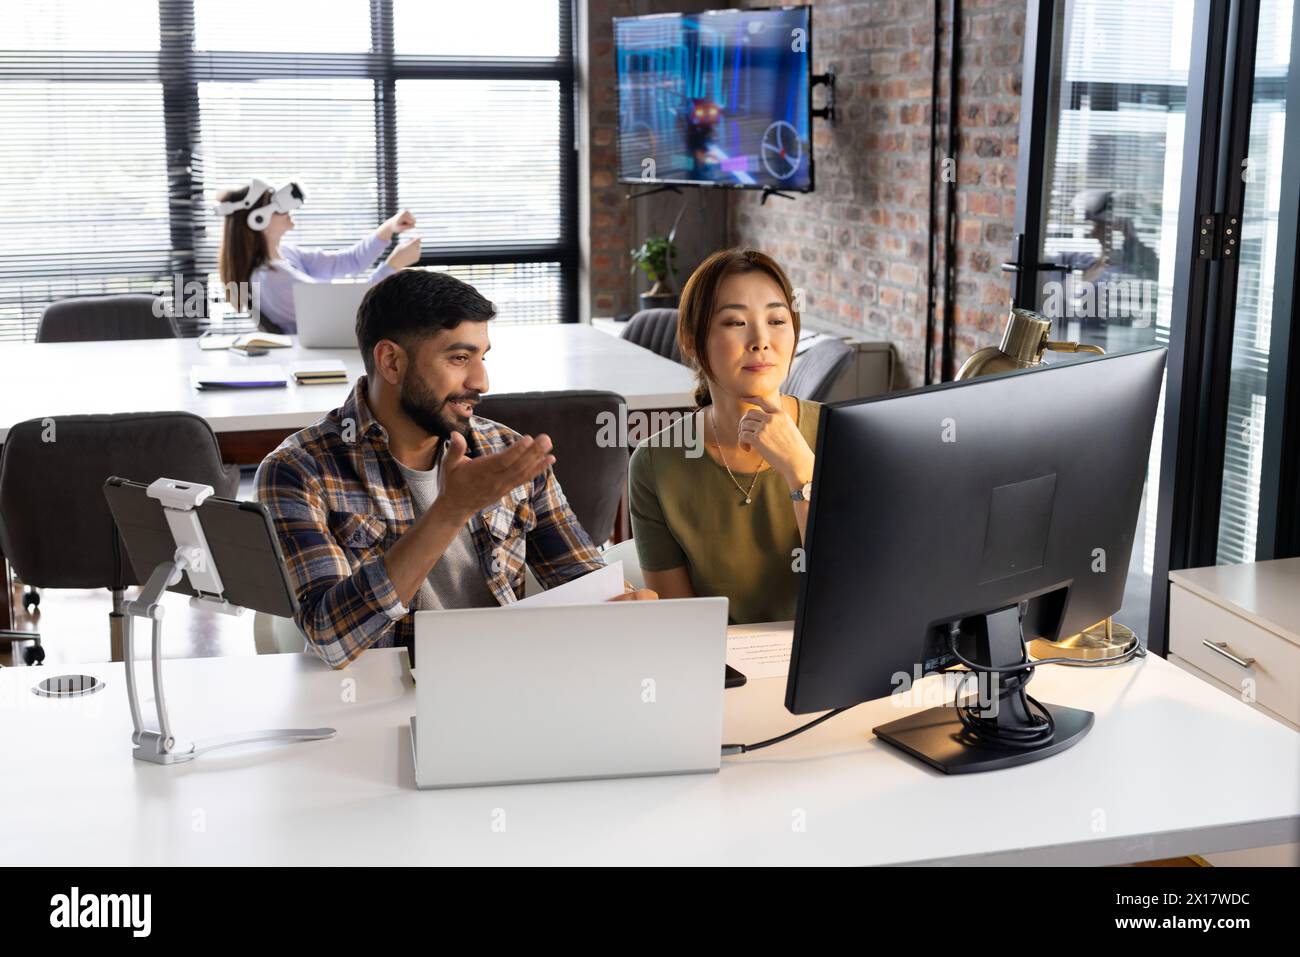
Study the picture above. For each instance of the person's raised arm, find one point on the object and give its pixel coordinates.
(468, 485)
(323, 265)
(772, 431)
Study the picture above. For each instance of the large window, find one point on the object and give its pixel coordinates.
(123, 121)
(1253, 326)
(1157, 205)
(1111, 181)
(320, 132)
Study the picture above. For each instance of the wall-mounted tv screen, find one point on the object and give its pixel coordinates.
(716, 99)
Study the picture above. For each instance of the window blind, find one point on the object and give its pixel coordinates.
(124, 121)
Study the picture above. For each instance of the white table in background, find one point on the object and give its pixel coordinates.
(153, 375)
(1171, 767)
(67, 378)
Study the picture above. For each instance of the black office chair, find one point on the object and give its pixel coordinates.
(103, 318)
(592, 476)
(656, 330)
(55, 526)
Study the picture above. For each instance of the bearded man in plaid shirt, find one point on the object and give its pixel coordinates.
(402, 499)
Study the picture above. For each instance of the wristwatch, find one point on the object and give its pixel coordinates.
(803, 493)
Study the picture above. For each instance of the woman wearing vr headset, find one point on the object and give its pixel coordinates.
(252, 250)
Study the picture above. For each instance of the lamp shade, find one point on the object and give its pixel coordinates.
(1023, 343)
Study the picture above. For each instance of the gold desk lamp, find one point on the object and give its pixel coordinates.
(1023, 345)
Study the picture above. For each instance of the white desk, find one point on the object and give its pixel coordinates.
(1171, 767)
(46, 379)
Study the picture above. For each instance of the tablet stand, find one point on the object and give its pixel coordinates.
(193, 558)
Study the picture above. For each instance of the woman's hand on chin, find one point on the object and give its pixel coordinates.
(772, 432)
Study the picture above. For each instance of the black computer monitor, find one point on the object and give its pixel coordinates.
(972, 515)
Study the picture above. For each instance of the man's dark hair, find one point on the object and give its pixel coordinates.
(414, 304)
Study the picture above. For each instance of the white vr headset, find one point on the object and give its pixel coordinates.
(285, 199)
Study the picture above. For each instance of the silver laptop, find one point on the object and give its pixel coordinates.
(617, 689)
(326, 313)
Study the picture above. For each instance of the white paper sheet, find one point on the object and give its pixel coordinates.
(760, 651)
(600, 585)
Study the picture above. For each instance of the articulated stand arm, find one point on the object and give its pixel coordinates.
(161, 747)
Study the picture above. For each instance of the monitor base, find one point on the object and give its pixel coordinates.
(937, 737)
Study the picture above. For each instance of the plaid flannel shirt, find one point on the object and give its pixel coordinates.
(339, 502)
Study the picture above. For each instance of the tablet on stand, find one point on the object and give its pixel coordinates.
(222, 553)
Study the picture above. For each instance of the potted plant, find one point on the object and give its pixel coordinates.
(654, 257)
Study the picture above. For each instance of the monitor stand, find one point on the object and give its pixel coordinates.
(937, 735)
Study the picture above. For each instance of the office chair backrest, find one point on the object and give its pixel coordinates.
(656, 330)
(55, 526)
(100, 318)
(592, 476)
(816, 370)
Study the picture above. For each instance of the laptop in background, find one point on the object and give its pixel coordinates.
(326, 313)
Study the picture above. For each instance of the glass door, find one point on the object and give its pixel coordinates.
(1157, 204)
(1111, 164)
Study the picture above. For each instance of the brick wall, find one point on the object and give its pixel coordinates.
(858, 244)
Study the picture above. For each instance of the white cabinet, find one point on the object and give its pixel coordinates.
(1237, 627)
(1240, 626)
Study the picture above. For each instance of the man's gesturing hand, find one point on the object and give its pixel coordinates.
(473, 484)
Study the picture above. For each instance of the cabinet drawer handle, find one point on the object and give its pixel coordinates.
(1221, 647)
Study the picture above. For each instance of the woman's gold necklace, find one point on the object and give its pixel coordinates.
(748, 495)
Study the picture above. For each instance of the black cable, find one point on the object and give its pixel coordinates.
(1137, 651)
(742, 748)
(987, 729)
(977, 725)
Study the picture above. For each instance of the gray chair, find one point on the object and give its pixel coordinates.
(101, 318)
(55, 526)
(656, 330)
(814, 372)
(592, 476)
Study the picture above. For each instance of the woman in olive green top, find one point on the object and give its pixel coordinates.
(719, 501)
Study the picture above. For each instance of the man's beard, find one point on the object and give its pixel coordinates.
(428, 411)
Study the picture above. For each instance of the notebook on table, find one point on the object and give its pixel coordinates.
(244, 340)
(209, 378)
(322, 372)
